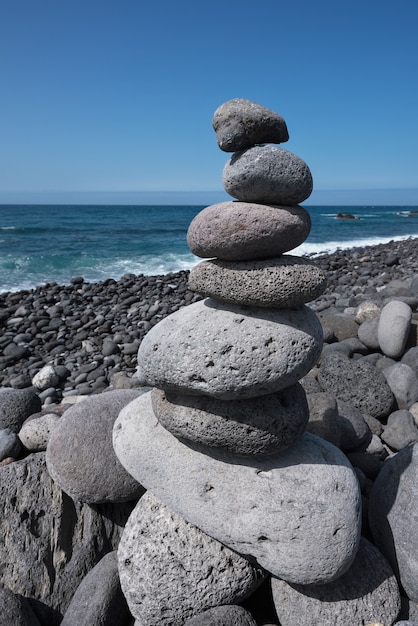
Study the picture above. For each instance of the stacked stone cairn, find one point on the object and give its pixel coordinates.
(238, 493)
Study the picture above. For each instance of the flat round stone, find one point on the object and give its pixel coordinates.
(267, 175)
(241, 123)
(255, 426)
(297, 513)
(229, 351)
(284, 282)
(239, 231)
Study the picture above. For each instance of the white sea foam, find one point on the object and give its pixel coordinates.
(329, 247)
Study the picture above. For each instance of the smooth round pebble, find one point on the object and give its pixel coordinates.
(241, 123)
(239, 231)
(393, 328)
(45, 378)
(284, 282)
(9, 444)
(255, 426)
(267, 175)
(16, 405)
(230, 351)
(35, 433)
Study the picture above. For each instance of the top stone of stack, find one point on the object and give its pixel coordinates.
(240, 124)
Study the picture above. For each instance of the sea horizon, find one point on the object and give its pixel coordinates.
(53, 243)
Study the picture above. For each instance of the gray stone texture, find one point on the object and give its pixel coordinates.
(284, 282)
(393, 328)
(366, 594)
(16, 405)
(255, 426)
(367, 333)
(49, 542)
(170, 570)
(342, 325)
(297, 513)
(357, 382)
(239, 231)
(410, 357)
(35, 433)
(354, 429)
(45, 378)
(403, 382)
(366, 310)
(400, 430)
(15, 610)
(10, 445)
(229, 615)
(98, 600)
(267, 175)
(393, 514)
(241, 123)
(80, 456)
(229, 351)
(323, 417)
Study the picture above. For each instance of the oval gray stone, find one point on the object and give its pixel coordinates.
(10, 445)
(366, 594)
(268, 175)
(16, 405)
(228, 351)
(284, 282)
(297, 513)
(255, 426)
(393, 511)
(170, 570)
(393, 328)
(80, 457)
(241, 123)
(35, 433)
(238, 231)
(403, 383)
(356, 382)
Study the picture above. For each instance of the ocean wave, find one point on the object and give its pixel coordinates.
(312, 249)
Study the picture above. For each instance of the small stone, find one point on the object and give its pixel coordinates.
(9, 444)
(366, 310)
(368, 333)
(99, 598)
(229, 615)
(323, 417)
(230, 352)
(400, 430)
(238, 231)
(393, 509)
(170, 570)
(256, 426)
(35, 433)
(267, 175)
(15, 610)
(353, 427)
(45, 378)
(284, 282)
(297, 513)
(240, 123)
(393, 329)
(366, 594)
(403, 383)
(16, 405)
(357, 382)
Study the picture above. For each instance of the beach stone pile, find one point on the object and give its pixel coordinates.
(220, 441)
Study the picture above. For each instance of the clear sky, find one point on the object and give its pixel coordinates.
(109, 100)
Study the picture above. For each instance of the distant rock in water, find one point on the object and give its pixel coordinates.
(346, 216)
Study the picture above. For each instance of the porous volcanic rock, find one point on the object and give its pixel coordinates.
(237, 231)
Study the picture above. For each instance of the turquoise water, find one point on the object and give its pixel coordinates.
(46, 243)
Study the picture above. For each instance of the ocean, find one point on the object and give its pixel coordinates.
(42, 244)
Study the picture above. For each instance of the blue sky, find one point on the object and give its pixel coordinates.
(112, 101)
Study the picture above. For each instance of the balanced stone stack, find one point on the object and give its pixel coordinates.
(220, 441)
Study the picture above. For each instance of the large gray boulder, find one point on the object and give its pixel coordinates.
(241, 123)
(16, 405)
(238, 231)
(229, 351)
(366, 594)
(393, 511)
(98, 600)
(356, 382)
(170, 570)
(254, 426)
(283, 282)
(80, 456)
(267, 175)
(49, 542)
(297, 513)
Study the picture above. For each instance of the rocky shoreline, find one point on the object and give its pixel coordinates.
(90, 332)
